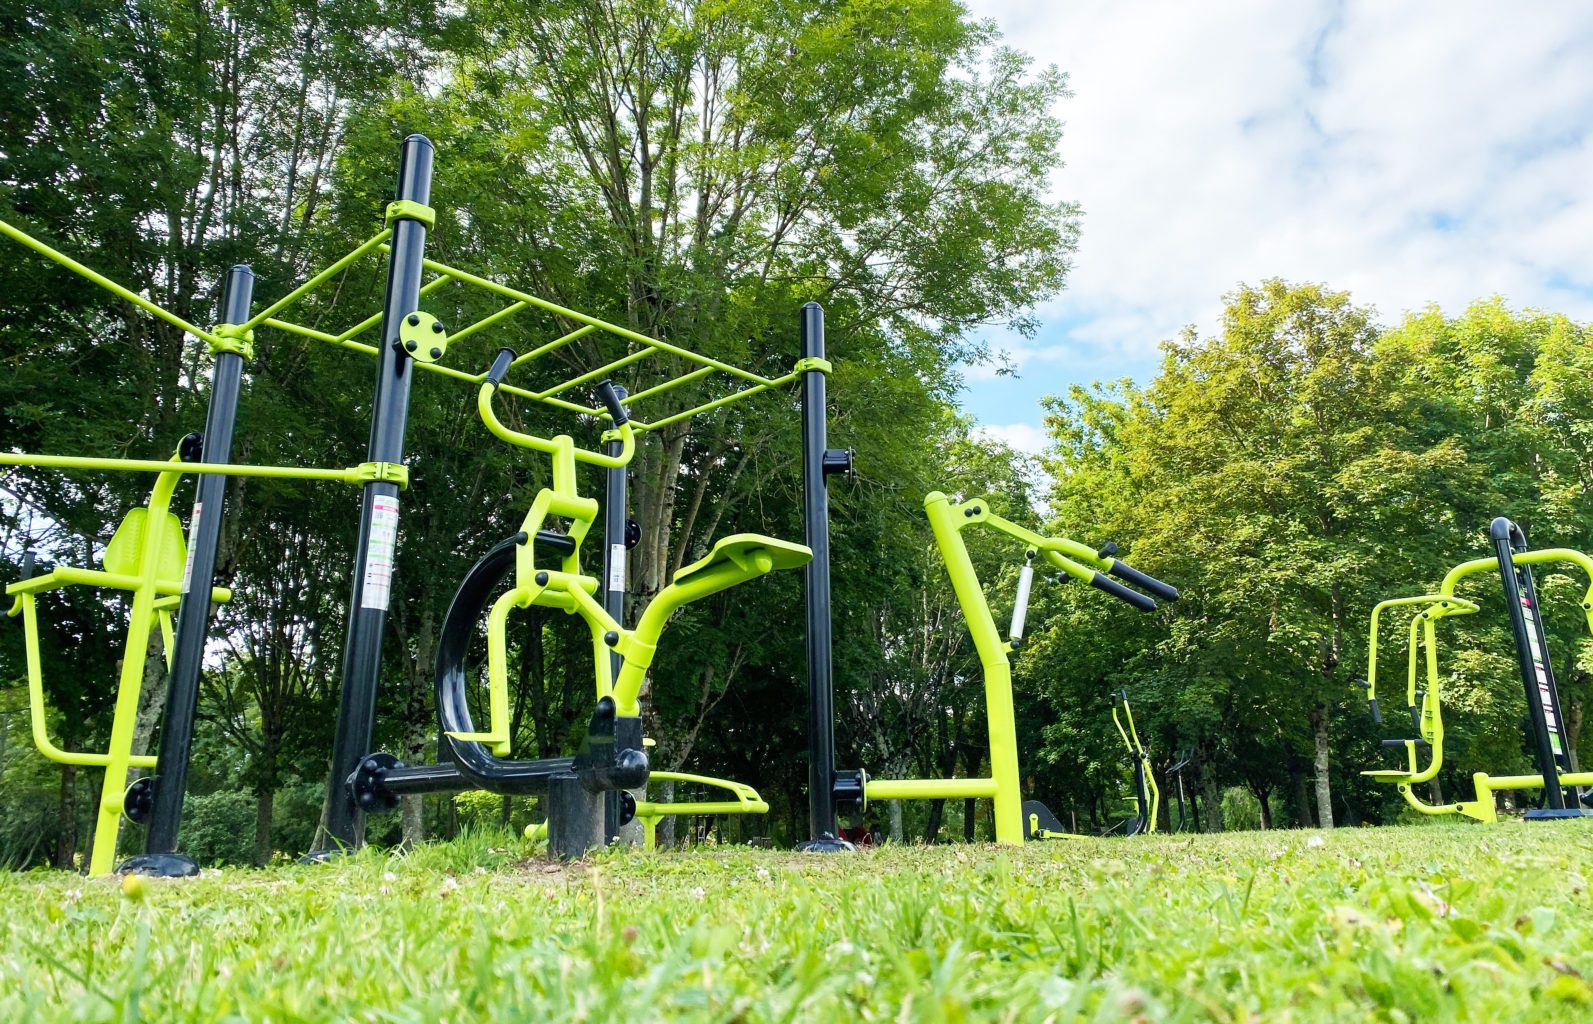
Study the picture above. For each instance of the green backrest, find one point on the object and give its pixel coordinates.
(125, 553)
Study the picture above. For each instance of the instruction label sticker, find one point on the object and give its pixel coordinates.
(616, 567)
(378, 586)
(193, 537)
(1540, 669)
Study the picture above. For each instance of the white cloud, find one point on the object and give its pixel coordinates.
(1410, 153)
(1024, 437)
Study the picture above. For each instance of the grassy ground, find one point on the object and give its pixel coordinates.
(1421, 924)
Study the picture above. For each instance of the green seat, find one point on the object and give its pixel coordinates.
(743, 549)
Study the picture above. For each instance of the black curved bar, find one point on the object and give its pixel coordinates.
(478, 768)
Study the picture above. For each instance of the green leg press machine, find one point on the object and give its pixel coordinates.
(1562, 787)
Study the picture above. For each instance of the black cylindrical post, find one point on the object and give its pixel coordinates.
(1536, 676)
(160, 855)
(614, 569)
(378, 537)
(816, 528)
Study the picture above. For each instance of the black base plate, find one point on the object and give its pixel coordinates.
(826, 844)
(1558, 813)
(159, 865)
(323, 856)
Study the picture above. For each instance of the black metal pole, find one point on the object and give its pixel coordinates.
(615, 497)
(160, 855)
(816, 528)
(378, 537)
(1537, 678)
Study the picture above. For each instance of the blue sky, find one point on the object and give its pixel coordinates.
(1411, 153)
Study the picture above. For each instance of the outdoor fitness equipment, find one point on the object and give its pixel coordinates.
(1075, 560)
(1176, 771)
(1551, 745)
(410, 338)
(613, 758)
(1147, 795)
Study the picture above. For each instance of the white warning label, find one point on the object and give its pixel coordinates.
(378, 586)
(616, 567)
(193, 537)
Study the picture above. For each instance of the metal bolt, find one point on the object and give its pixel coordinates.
(411, 345)
(414, 319)
(611, 638)
(436, 327)
(436, 353)
(542, 579)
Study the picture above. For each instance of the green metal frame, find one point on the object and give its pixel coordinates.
(1429, 711)
(733, 560)
(947, 521)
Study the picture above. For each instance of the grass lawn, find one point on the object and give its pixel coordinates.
(1422, 924)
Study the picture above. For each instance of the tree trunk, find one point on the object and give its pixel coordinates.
(937, 810)
(1212, 794)
(412, 810)
(1266, 808)
(1324, 790)
(1302, 801)
(666, 827)
(66, 816)
(264, 798)
(896, 821)
(153, 696)
(96, 787)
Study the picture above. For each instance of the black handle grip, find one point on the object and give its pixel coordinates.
(500, 366)
(1122, 593)
(1129, 574)
(1377, 716)
(1401, 743)
(613, 397)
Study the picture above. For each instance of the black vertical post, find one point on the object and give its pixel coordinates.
(816, 528)
(1537, 675)
(378, 537)
(614, 570)
(160, 855)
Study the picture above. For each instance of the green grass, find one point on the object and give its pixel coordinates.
(1421, 924)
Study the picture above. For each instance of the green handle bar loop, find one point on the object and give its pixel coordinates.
(553, 446)
(1443, 605)
(747, 801)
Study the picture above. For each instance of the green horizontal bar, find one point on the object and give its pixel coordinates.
(715, 404)
(601, 371)
(342, 476)
(556, 343)
(330, 339)
(929, 789)
(656, 389)
(319, 279)
(17, 234)
(486, 321)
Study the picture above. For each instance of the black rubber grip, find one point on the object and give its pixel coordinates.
(1377, 716)
(1122, 593)
(500, 366)
(1128, 574)
(1401, 743)
(609, 396)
